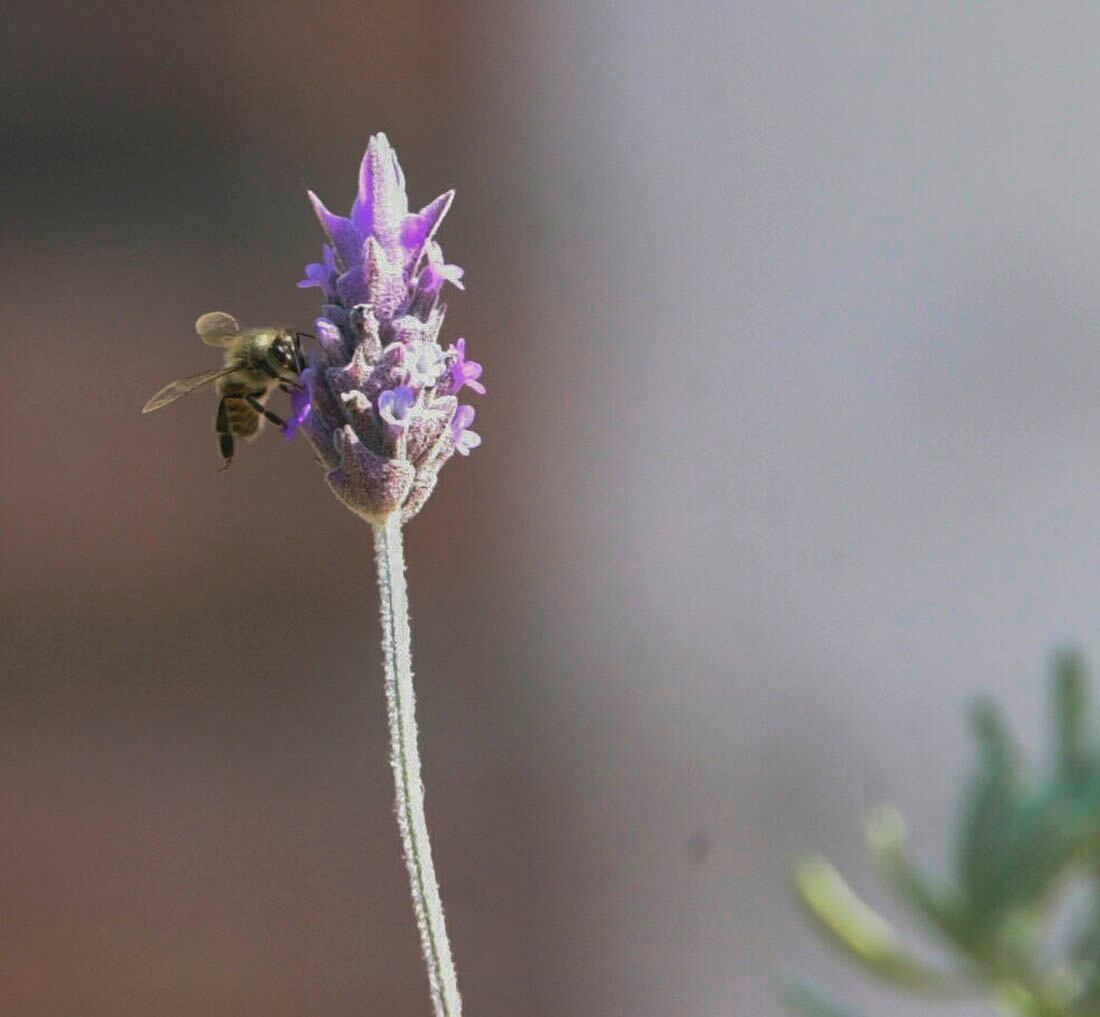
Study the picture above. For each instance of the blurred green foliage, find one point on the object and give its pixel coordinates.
(1019, 915)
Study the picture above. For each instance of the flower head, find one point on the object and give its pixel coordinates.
(380, 408)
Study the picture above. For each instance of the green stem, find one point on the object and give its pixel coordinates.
(405, 759)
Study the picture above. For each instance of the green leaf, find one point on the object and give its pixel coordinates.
(862, 933)
(1049, 836)
(940, 908)
(1084, 955)
(1071, 709)
(990, 814)
(1019, 844)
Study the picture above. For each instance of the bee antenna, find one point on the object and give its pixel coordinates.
(300, 360)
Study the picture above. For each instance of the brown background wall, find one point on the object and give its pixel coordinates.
(788, 314)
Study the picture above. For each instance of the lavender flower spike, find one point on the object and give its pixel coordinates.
(382, 413)
(381, 274)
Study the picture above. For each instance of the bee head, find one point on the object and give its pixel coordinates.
(284, 353)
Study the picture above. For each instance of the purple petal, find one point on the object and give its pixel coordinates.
(463, 371)
(322, 274)
(381, 204)
(352, 288)
(394, 405)
(453, 274)
(406, 396)
(435, 273)
(345, 238)
(301, 401)
(330, 341)
(434, 276)
(463, 418)
(420, 228)
(466, 441)
(362, 209)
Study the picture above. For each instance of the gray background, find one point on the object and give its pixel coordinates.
(788, 313)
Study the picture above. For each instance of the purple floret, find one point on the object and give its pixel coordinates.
(324, 274)
(464, 438)
(463, 371)
(300, 404)
(395, 405)
(435, 273)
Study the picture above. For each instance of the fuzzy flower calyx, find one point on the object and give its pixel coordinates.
(381, 408)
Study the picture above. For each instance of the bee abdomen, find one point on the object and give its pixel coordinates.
(244, 421)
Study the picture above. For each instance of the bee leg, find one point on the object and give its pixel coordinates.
(264, 411)
(225, 436)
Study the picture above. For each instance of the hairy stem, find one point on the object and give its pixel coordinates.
(405, 759)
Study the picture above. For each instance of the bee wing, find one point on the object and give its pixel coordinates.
(173, 390)
(217, 328)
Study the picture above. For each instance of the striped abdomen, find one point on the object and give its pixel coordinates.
(244, 421)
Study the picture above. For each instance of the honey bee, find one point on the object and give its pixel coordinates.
(256, 361)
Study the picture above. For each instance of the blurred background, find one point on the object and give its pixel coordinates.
(788, 313)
